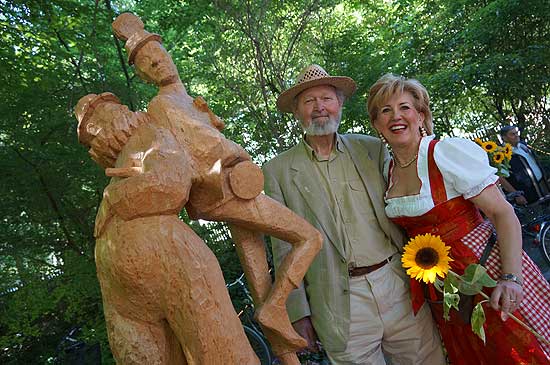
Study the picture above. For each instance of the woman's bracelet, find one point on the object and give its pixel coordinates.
(511, 277)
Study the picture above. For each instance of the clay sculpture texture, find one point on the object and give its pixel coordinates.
(164, 294)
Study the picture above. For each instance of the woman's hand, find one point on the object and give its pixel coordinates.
(506, 297)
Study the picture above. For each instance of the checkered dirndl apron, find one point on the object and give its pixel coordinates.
(535, 306)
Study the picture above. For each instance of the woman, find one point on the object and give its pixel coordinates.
(439, 187)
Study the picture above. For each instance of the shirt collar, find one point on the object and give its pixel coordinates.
(311, 153)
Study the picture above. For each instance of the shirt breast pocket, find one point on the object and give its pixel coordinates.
(357, 186)
(358, 196)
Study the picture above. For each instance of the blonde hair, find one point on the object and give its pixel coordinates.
(389, 85)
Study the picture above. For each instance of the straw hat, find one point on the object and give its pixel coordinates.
(313, 75)
(130, 28)
(84, 109)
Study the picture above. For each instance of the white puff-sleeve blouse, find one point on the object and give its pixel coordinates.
(465, 169)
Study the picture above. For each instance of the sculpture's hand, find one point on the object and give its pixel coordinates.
(237, 154)
(304, 327)
(123, 171)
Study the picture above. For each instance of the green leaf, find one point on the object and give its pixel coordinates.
(439, 284)
(478, 319)
(451, 283)
(450, 295)
(449, 300)
(477, 274)
(469, 288)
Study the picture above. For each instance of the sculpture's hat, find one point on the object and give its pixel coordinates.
(313, 75)
(129, 28)
(84, 109)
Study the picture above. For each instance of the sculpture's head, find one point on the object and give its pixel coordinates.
(153, 64)
(104, 125)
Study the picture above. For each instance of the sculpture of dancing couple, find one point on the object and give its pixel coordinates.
(163, 291)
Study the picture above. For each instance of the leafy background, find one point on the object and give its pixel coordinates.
(483, 62)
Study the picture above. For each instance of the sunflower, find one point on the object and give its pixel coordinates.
(478, 141)
(498, 157)
(425, 257)
(508, 151)
(489, 146)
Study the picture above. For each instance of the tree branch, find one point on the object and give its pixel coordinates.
(69, 241)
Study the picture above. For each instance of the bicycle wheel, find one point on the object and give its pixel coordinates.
(259, 345)
(545, 243)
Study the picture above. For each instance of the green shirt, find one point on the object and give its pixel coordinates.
(365, 243)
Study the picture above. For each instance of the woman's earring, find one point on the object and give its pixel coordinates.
(423, 131)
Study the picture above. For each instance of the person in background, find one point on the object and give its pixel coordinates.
(526, 173)
(438, 187)
(355, 296)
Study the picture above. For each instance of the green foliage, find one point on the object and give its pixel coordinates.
(478, 319)
(451, 298)
(472, 282)
(482, 62)
(475, 277)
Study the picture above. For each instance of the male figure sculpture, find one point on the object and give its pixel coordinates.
(163, 291)
(224, 185)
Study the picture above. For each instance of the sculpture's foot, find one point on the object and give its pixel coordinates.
(275, 319)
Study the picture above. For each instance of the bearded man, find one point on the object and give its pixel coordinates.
(355, 296)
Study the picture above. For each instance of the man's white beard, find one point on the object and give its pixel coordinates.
(317, 129)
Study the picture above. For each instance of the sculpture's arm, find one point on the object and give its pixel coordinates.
(238, 154)
(162, 188)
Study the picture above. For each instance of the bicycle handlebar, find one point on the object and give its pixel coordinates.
(239, 280)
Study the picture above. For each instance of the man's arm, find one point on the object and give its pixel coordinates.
(507, 187)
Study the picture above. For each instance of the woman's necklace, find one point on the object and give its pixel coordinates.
(407, 164)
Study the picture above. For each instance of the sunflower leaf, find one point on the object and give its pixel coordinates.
(451, 284)
(439, 284)
(477, 274)
(469, 288)
(478, 319)
(449, 300)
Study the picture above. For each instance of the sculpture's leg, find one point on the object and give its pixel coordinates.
(196, 302)
(250, 247)
(251, 250)
(265, 215)
(138, 342)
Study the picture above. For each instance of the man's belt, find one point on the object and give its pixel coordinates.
(364, 270)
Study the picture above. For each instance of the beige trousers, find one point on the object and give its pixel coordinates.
(383, 328)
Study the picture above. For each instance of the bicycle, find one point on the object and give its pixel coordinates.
(73, 351)
(257, 339)
(252, 330)
(535, 223)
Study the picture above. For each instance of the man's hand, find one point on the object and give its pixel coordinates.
(304, 327)
(520, 200)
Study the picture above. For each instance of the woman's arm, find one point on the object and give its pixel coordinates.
(508, 294)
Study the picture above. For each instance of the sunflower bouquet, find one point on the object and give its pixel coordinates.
(426, 258)
(499, 156)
